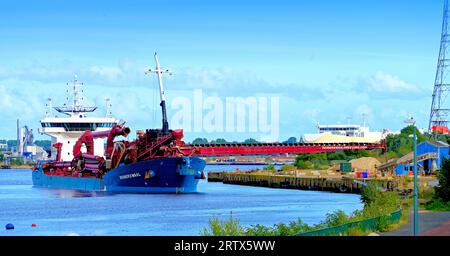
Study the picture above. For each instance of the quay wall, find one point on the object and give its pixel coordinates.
(331, 184)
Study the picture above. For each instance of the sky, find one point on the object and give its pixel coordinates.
(326, 61)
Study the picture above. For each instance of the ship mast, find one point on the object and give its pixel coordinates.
(77, 101)
(159, 72)
(76, 94)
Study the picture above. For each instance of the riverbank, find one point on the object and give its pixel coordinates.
(382, 212)
(17, 167)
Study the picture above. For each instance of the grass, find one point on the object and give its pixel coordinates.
(437, 205)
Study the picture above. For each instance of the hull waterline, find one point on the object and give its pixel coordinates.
(165, 175)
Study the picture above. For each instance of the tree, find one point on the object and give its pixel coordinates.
(402, 143)
(251, 141)
(338, 155)
(219, 141)
(443, 189)
(291, 140)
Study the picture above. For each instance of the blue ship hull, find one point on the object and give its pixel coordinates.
(165, 175)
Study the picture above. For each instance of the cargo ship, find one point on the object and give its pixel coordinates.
(157, 161)
(151, 163)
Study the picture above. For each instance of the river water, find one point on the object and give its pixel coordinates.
(66, 212)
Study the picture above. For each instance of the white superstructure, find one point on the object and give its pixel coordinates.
(345, 130)
(76, 121)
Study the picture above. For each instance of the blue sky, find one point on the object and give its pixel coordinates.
(326, 60)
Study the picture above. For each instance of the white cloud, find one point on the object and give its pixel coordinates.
(384, 83)
(25, 89)
(108, 73)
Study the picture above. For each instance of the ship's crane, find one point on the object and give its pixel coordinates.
(159, 72)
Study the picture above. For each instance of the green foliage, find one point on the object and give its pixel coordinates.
(306, 165)
(280, 229)
(311, 157)
(198, 141)
(438, 205)
(287, 167)
(259, 230)
(269, 167)
(16, 162)
(338, 155)
(378, 204)
(230, 227)
(427, 193)
(402, 143)
(443, 189)
(291, 140)
(219, 141)
(321, 161)
(250, 141)
(369, 193)
(336, 219)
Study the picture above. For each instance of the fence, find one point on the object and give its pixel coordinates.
(365, 225)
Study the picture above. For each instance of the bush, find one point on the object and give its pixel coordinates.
(318, 166)
(426, 193)
(376, 204)
(287, 167)
(305, 165)
(438, 205)
(443, 189)
(259, 230)
(369, 193)
(336, 219)
(230, 227)
(269, 167)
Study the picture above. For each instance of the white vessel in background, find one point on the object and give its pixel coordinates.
(344, 133)
(68, 129)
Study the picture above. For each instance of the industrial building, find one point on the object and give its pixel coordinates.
(429, 158)
(26, 149)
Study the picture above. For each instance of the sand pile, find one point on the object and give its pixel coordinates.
(365, 163)
(331, 138)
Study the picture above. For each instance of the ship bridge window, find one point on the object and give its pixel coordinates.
(103, 125)
(78, 126)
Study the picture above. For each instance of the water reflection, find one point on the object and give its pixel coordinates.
(69, 193)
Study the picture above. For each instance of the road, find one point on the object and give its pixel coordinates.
(430, 224)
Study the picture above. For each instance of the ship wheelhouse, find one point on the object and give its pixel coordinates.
(68, 129)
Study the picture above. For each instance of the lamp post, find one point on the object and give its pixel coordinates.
(412, 122)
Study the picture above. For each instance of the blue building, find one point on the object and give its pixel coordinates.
(441, 149)
(429, 158)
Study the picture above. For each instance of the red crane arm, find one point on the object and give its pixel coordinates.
(87, 138)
